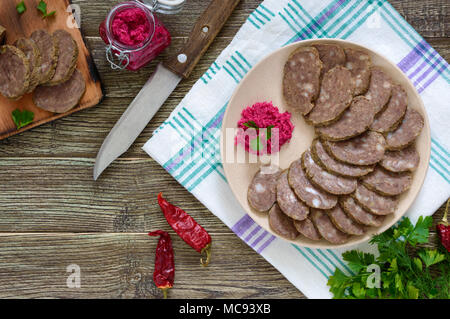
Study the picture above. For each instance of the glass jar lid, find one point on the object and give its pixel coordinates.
(164, 6)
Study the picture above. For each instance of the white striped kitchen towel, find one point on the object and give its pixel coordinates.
(187, 144)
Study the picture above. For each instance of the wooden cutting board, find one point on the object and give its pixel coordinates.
(18, 26)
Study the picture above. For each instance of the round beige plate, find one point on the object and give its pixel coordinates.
(264, 83)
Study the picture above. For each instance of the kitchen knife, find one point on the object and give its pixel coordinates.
(162, 83)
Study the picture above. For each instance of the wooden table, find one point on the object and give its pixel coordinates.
(52, 214)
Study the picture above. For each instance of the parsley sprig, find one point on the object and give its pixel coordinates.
(406, 269)
(21, 7)
(22, 118)
(42, 7)
(255, 144)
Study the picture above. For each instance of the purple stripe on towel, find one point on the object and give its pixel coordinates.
(257, 240)
(267, 243)
(421, 88)
(252, 233)
(411, 59)
(242, 225)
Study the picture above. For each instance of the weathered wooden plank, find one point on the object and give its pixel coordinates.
(59, 195)
(429, 17)
(121, 266)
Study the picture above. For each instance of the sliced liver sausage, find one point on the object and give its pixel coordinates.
(407, 132)
(15, 72)
(33, 54)
(308, 193)
(374, 202)
(359, 64)
(307, 229)
(262, 193)
(327, 229)
(359, 214)
(67, 57)
(288, 201)
(355, 121)
(366, 149)
(388, 183)
(331, 55)
(301, 81)
(325, 160)
(345, 223)
(282, 224)
(380, 89)
(392, 116)
(48, 48)
(63, 97)
(333, 184)
(336, 93)
(404, 160)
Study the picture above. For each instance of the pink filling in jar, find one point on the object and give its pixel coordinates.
(134, 36)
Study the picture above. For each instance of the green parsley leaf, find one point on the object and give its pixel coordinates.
(42, 7)
(431, 257)
(251, 124)
(21, 7)
(22, 118)
(269, 131)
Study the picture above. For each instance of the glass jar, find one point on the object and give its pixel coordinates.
(134, 35)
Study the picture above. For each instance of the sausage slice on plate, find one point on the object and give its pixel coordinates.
(288, 201)
(374, 202)
(282, 224)
(31, 51)
(331, 55)
(333, 184)
(308, 193)
(407, 131)
(336, 93)
(404, 160)
(359, 214)
(380, 89)
(15, 72)
(48, 47)
(327, 229)
(345, 223)
(388, 183)
(67, 59)
(301, 79)
(321, 156)
(359, 64)
(262, 193)
(63, 97)
(392, 116)
(366, 149)
(307, 229)
(355, 121)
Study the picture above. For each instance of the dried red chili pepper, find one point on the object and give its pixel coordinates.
(187, 228)
(164, 272)
(443, 229)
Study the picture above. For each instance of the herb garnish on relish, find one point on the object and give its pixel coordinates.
(22, 118)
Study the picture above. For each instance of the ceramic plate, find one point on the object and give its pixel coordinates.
(264, 83)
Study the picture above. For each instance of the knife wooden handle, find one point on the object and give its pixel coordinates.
(202, 35)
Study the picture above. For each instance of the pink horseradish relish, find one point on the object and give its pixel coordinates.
(266, 117)
(132, 30)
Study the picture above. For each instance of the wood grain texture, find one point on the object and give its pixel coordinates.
(205, 30)
(18, 26)
(52, 214)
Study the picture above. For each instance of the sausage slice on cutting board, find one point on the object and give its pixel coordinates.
(31, 51)
(48, 47)
(67, 57)
(63, 97)
(15, 72)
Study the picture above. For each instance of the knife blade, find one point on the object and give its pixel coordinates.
(162, 83)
